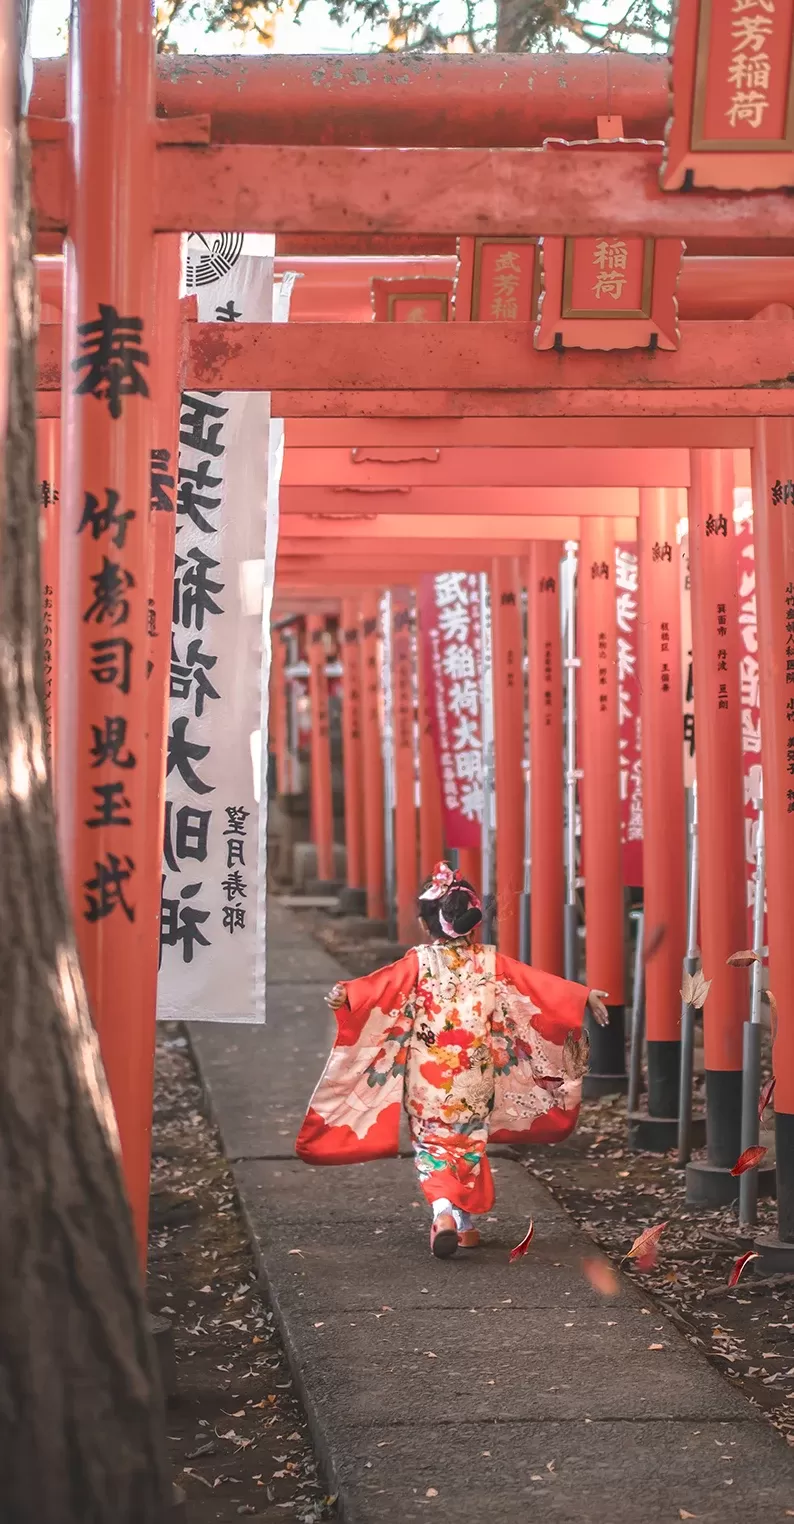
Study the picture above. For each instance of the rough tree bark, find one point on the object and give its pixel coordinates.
(81, 1427)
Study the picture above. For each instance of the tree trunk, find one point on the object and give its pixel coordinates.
(81, 1426)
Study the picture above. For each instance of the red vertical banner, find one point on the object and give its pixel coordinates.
(431, 830)
(351, 744)
(750, 685)
(629, 711)
(449, 623)
(664, 801)
(508, 705)
(546, 756)
(687, 671)
(372, 756)
(48, 448)
(773, 493)
(321, 790)
(600, 787)
(718, 732)
(405, 824)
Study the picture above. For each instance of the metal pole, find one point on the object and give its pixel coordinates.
(488, 801)
(570, 664)
(524, 948)
(388, 761)
(751, 1052)
(691, 965)
(637, 1013)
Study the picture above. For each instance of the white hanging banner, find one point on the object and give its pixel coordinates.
(212, 932)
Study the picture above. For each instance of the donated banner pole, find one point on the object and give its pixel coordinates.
(571, 664)
(637, 1012)
(751, 1053)
(691, 966)
(524, 913)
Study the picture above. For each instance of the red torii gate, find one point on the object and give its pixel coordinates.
(193, 184)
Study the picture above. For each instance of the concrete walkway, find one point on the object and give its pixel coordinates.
(472, 1389)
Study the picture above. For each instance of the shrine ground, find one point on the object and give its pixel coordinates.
(468, 1389)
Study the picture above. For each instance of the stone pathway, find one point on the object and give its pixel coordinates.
(470, 1389)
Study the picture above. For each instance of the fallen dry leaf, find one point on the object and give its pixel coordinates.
(520, 1249)
(700, 990)
(576, 1055)
(646, 1244)
(694, 989)
(743, 959)
(738, 1266)
(601, 1276)
(768, 997)
(653, 942)
(750, 1159)
(766, 1096)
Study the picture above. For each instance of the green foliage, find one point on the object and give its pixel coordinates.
(510, 26)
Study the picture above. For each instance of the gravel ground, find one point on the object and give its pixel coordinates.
(237, 1436)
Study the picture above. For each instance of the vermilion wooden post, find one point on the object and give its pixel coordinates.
(470, 865)
(352, 758)
(508, 699)
(431, 826)
(718, 739)
(321, 789)
(546, 754)
(105, 537)
(166, 379)
(600, 796)
(48, 453)
(664, 802)
(278, 711)
(373, 758)
(773, 504)
(405, 823)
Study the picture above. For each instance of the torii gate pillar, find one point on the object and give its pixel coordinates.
(107, 409)
(773, 505)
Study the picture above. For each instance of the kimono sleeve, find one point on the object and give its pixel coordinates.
(561, 1003)
(354, 1114)
(535, 1101)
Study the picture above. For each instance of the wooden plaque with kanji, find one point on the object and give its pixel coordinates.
(608, 293)
(732, 122)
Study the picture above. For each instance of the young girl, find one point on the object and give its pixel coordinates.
(472, 1044)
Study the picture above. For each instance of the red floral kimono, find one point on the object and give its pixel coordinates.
(473, 1045)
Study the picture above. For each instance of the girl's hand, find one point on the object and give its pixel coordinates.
(595, 1001)
(337, 997)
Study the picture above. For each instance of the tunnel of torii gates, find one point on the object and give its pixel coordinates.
(468, 440)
